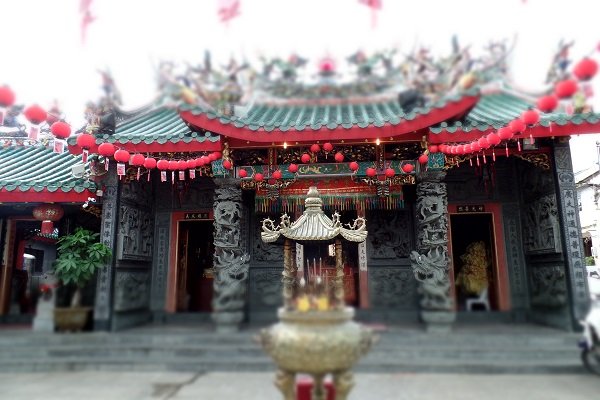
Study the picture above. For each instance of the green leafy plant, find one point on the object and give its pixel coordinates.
(80, 255)
(590, 260)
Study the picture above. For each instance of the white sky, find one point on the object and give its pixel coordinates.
(43, 58)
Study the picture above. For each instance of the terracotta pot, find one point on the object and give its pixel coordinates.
(71, 318)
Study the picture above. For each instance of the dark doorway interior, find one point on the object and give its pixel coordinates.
(473, 256)
(194, 266)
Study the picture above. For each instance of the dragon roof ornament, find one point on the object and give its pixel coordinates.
(314, 225)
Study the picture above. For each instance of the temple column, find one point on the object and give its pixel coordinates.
(231, 262)
(430, 262)
(568, 213)
(103, 306)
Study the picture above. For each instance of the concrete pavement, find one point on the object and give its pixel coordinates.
(96, 385)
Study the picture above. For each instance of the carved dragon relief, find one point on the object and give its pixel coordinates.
(390, 234)
(548, 287)
(541, 230)
(135, 234)
(430, 264)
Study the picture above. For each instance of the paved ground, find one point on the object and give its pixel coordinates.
(93, 385)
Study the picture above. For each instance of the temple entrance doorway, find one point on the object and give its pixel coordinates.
(194, 266)
(475, 262)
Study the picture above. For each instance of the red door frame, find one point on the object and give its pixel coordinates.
(501, 267)
(176, 218)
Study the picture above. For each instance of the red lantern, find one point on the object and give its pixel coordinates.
(585, 69)
(483, 143)
(530, 117)
(258, 177)
(106, 149)
(181, 165)
(389, 172)
(434, 148)
(35, 114)
(212, 157)
(61, 129)
(475, 146)
(199, 162)
(150, 163)
(423, 159)
(305, 158)
(190, 164)
(86, 141)
(315, 148)
(138, 160)
(443, 148)
(493, 139)
(565, 89)
(121, 156)
(218, 155)
(227, 164)
(48, 213)
(242, 173)
(173, 165)
(547, 104)
(293, 168)
(354, 166)
(277, 174)
(205, 160)
(505, 133)
(7, 96)
(371, 172)
(408, 168)
(339, 157)
(516, 126)
(163, 165)
(327, 147)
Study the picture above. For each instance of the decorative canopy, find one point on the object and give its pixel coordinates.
(313, 225)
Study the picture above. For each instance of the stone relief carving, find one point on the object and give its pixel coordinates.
(548, 287)
(389, 234)
(541, 228)
(535, 182)
(107, 230)
(430, 263)
(135, 234)
(228, 214)
(432, 271)
(231, 274)
(266, 288)
(136, 192)
(132, 291)
(393, 288)
(161, 261)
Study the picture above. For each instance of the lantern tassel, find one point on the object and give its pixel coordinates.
(148, 180)
(172, 177)
(33, 132)
(471, 161)
(163, 176)
(518, 144)
(138, 174)
(506, 147)
(531, 139)
(84, 155)
(182, 175)
(484, 158)
(106, 162)
(494, 155)
(192, 173)
(2, 115)
(478, 160)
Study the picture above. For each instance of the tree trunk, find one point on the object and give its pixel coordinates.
(76, 299)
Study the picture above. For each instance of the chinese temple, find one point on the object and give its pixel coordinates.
(466, 183)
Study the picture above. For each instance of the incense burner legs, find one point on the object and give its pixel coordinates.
(318, 344)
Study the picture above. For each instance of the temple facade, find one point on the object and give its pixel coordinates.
(464, 223)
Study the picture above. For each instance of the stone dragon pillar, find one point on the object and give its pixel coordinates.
(231, 262)
(430, 262)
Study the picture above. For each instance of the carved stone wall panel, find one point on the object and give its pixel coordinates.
(160, 265)
(541, 231)
(548, 286)
(390, 234)
(571, 230)
(514, 256)
(534, 182)
(132, 290)
(137, 193)
(196, 194)
(392, 288)
(110, 209)
(135, 237)
(264, 252)
(265, 288)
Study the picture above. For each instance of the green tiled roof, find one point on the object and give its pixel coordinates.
(317, 116)
(160, 125)
(496, 110)
(28, 168)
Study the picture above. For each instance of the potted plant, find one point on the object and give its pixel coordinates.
(80, 255)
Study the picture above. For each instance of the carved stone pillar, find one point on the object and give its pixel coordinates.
(568, 212)
(430, 262)
(103, 306)
(231, 262)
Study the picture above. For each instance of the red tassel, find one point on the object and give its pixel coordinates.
(519, 144)
(506, 147)
(148, 175)
(84, 155)
(494, 155)
(484, 160)
(138, 174)
(172, 177)
(106, 161)
(471, 161)
(531, 140)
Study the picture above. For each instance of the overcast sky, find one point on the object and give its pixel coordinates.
(43, 57)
